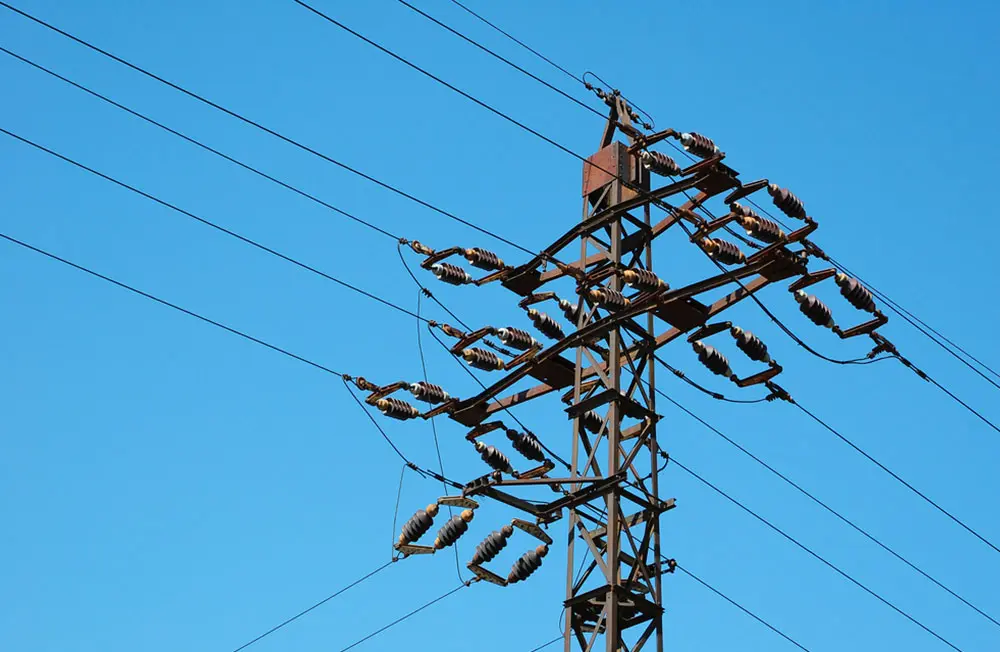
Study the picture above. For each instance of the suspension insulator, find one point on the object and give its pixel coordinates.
(397, 409)
(750, 344)
(608, 298)
(491, 546)
(454, 528)
(516, 338)
(740, 211)
(660, 164)
(788, 203)
(570, 311)
(418, 524)
(428, 392)
(762, 229)
(713, 359)
(725, 252)
(527, 564)
(856, 294)
(483, 359)
(591, 421)
(526, 444)
(699, 145)
(545, 324)
(451, 274)
(494, 458)
(814, 309)
(643, 279)
(484, 259)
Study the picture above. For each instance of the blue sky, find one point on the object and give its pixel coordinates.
(167, 486)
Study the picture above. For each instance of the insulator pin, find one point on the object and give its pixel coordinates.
(750, 344)
(483, 259)
(713, 359)
(527, 564)
(397, 409)
(451, 274)
(428, 392)
(483, 359)
(817, 311)
(608, 298)
(418, 524)
(545, 324)
(526, 444)
(570, 311)
(660, 164)
(453, 529)
(645, 280)
(856, 294)
(725, 252)
(491, 546)
(591, 421)
(788, 203)
(494, 458)
(700, 146)
(516, 338)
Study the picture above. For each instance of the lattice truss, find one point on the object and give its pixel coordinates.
(599, 358)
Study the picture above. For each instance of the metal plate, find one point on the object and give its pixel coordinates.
(415, 550)
(457, 501)
(532, 529)
(486, 575)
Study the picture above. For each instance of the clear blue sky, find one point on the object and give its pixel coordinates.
(167, 486)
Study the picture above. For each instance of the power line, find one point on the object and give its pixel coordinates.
(265, 129)
(816, 555)
(208, 223)
(198, 143)
(825, 506)
(894, 475)
(741, 608)
(402, 618)
(318, 604)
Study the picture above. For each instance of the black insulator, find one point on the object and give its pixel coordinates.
(483, 259)
(725, 252)
(494, 458)
(814, 309)
(527, 564)
(570, 310)
(397, 409)
(491, 546)
(516, 338)
(545, 324)
(418, 524)
(483, 359)
(789, 204)
(856, 294)
(643, 279)
(451, 274)
(750, 344)
(591, 421)
(661, 164)
(454, 528)
(608, 298)
(526, 444)
(699, 145)
(713, 359)
(428, 392)
(762, 229)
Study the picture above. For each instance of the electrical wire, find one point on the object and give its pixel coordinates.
(741, 608)
(825, 506)
(816, 555)
(265, 129)
(199, 143)
(208, 223)
(402, 618)
(717, 396)
(895, 476)
(318, 604)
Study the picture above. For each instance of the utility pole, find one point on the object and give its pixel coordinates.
(622, 313)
